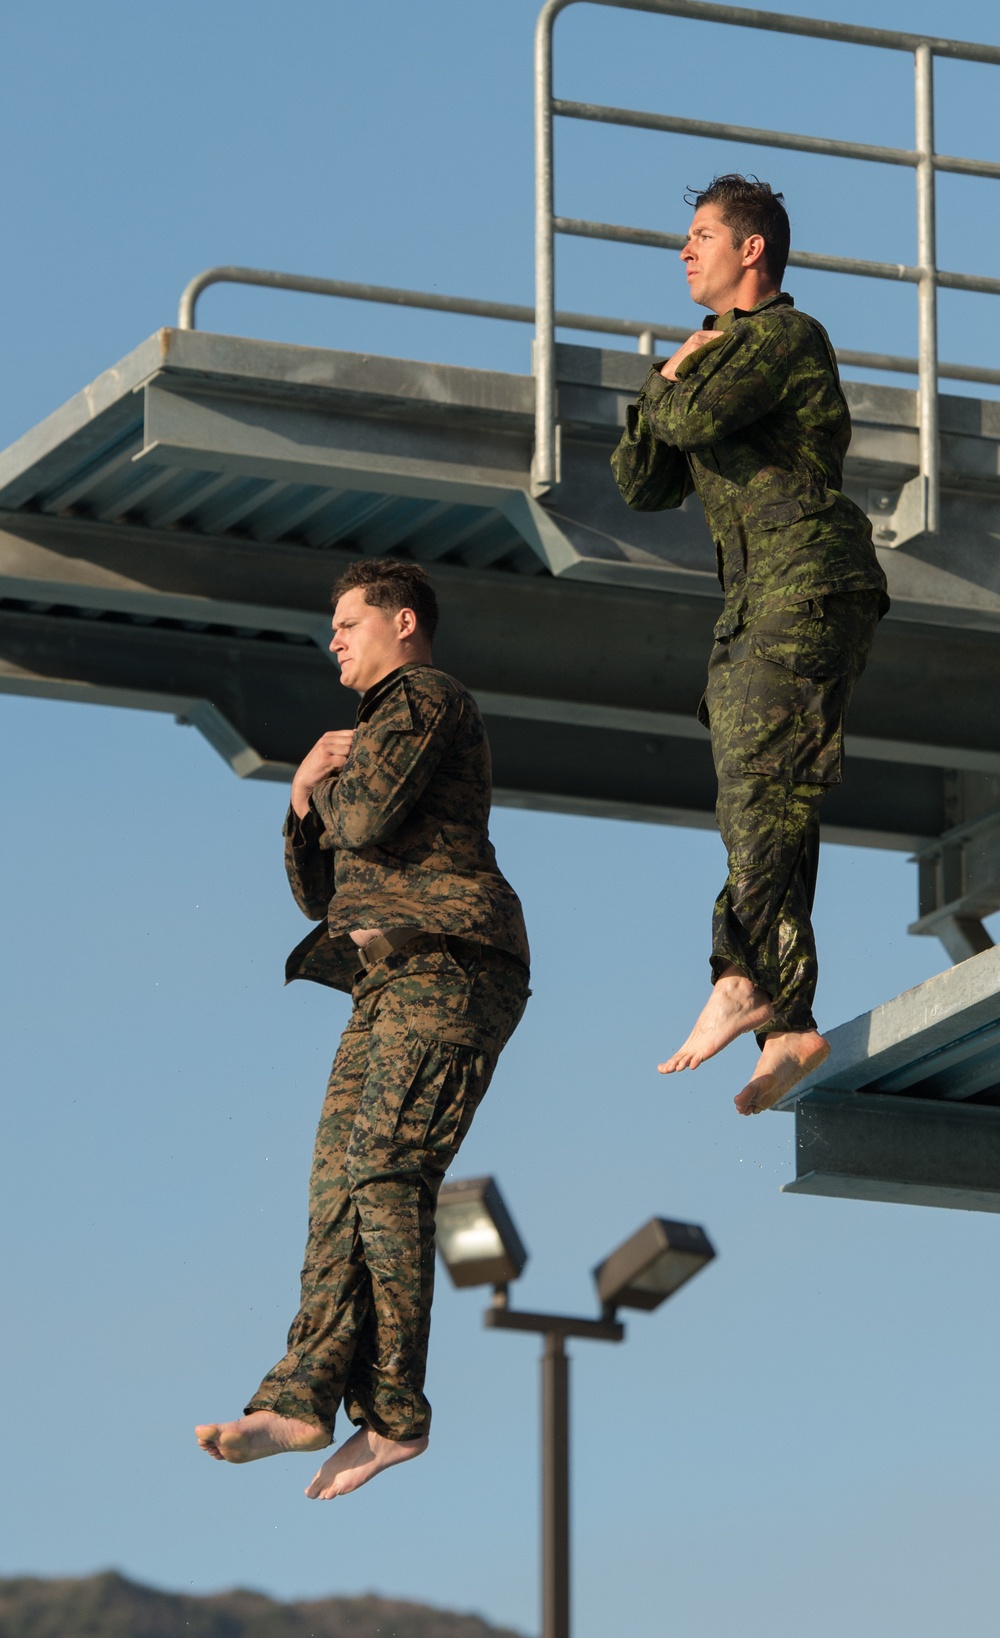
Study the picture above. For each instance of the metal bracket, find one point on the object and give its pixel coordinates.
(899, 516)
(962, 936)
(959, 883)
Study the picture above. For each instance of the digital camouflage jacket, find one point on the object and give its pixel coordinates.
(758, 425)
(400, 837)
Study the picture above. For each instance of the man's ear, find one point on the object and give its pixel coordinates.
(753, 250)
(406, 622)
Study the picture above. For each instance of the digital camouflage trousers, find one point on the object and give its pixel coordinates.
(428, 1025)
(776, 702)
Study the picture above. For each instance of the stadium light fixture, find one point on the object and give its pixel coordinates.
(476, 1237)
(480, 1245)
(651, 1265)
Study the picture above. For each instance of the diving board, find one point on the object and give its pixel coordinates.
(907, 1106)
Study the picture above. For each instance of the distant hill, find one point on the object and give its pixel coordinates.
(109, 1606)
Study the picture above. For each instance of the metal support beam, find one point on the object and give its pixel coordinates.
(305, 445)
(906, 1151)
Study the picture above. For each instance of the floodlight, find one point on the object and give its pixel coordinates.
(657, 1260)
(476, 1235)
(481, 1246)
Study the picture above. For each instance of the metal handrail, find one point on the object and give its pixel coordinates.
(919, 507)
(391, 296)
(797, 258)
(771, 139)
(351, 292)
(645, 331)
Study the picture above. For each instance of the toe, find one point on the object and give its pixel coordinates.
(759, 1096)
(207, 1438)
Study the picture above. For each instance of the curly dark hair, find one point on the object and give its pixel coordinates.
(750, 206)
(391, 584)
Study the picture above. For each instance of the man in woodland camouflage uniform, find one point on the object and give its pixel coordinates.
(387, 841)
(749, 412)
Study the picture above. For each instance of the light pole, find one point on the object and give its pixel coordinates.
(480, 1245)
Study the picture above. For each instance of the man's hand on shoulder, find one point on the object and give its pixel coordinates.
(701, 338)
(327, 757)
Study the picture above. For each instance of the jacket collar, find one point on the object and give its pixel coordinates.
(725, 321)
(377, 692)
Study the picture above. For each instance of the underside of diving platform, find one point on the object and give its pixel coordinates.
(168, 540)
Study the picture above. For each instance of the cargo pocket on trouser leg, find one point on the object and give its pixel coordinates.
(793, 692)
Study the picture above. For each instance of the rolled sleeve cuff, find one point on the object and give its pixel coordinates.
(656, 386)
(302, 832)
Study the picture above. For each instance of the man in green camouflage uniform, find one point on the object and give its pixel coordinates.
(387, 843)
(750, 414)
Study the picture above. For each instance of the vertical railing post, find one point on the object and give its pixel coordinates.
(545, 459)
(927, 396)
(555, 1488)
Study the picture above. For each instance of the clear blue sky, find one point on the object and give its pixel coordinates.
(804, 1441)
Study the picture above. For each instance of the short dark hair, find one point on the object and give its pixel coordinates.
(750, 206)
(391, 584)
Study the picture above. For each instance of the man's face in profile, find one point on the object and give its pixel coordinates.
(366, 643)
(713, 265)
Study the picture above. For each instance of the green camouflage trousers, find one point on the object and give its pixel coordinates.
(417, 1055)
(777, 696)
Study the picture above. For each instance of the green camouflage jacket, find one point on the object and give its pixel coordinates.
(758, 425)
(400, 837)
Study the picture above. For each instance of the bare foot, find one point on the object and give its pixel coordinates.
(365, 1454)
(262, 1433)
(787, 1058)
(734, 1006)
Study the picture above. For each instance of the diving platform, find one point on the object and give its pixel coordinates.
(169, 538)
(906, 1108)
